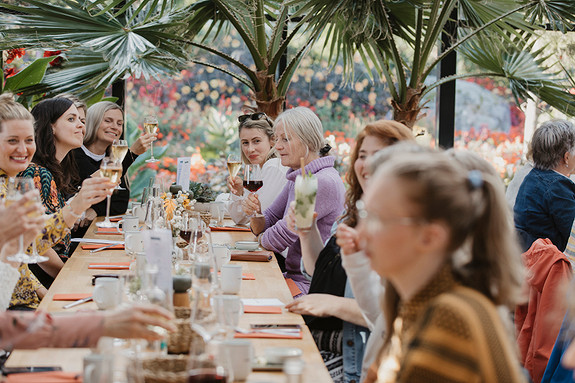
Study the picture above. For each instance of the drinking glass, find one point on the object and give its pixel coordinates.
(16, 189)
(151, 127)
(234, 164)
(119, 151)
(253, 180)
(113, 170)
(190, 225)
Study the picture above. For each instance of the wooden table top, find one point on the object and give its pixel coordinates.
(75, 277)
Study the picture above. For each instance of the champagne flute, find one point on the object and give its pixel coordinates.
(253, 180)
(234, 165)
(16, 189)
(151, 127)
(113, 170)
(118, 152)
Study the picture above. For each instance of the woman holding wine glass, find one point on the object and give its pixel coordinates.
(256, 132)
(104, 131)
(17, 148)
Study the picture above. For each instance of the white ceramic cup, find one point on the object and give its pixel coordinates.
(231, 278)
(107, 293)
(229, 309)
(240, 353)
(222, 255)
(129, 223)
(98, 368)
(134, 242)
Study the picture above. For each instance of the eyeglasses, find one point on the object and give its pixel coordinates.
(378, 223)
(255, 117)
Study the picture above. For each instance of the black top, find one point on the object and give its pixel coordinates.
(329, 277)
(88, 166)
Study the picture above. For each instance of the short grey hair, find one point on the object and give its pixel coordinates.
(550, 142)
(305, 124)
(94, 118)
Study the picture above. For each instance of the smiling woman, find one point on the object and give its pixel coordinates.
(104, 125)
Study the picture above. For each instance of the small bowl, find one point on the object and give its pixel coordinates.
(247, 245)
(278, 355)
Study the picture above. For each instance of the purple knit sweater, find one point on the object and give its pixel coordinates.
(329, 204)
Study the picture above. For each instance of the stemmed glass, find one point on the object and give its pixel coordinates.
(113, 170)
(118, 153)
(151, 127)
(253, 180)
(234, 164)
(16, 189)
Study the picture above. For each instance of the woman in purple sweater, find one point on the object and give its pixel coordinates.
(299, 134)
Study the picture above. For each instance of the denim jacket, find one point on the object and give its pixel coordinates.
(354, 340)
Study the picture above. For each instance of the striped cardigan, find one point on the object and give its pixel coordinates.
(449, 333)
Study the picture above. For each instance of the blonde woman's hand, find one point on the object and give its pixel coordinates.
(22, 217)
(236, 185)
(143, 143)
(251, 204)
(347, 239)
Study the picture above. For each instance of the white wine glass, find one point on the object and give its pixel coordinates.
(253, 180)
(113, 171)
(118, 153)
(234, 164)
(151, 127)
(16, 189)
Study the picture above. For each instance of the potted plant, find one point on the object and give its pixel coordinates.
(203, 194)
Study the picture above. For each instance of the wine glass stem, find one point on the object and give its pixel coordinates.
(108, 198)
(151, 150)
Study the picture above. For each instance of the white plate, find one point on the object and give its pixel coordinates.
(247, 245)
(277, 355)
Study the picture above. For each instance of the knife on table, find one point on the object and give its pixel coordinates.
(76, 303)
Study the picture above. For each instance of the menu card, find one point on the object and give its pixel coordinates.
(183, 173)
(158, 247)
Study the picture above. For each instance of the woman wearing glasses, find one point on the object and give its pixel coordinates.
(257, 142)
(299, 134)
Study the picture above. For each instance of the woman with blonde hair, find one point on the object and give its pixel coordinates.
(104, 124)
(299, 135)
(257, 141)
(442, 322)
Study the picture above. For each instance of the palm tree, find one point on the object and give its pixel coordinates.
(106, 43)
(399, 39)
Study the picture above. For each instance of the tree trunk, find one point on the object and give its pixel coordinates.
(408, 112)
(267, 98)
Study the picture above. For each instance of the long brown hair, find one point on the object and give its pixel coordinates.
(472, 205)
(387, 131)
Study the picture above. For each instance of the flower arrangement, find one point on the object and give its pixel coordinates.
(175, 207)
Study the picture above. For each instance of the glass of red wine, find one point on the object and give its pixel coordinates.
(253, 180)
(190, 225)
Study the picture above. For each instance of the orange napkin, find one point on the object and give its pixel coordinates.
(267, 335)
(248, 277)
(70, 297)
(45, 377)
(107, 230)
(229, 228)
(294, 290)
(98, 245)
(262, 310)
(110, 265)
(255, 256)
(117, 219)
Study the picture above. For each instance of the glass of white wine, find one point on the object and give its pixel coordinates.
(151, 127)
(113, 170)
(234, 165)
(16, 189)
(118, 153)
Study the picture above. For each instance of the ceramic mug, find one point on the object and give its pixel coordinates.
(129, 223)
(107, 293)
(98, 368)
(231, 278)
(241, 354)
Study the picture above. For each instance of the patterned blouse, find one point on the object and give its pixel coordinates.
(52, 200)
(55, 229)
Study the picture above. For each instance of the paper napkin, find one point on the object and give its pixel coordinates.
(71, 297)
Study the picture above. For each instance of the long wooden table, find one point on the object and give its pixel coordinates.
(75, 277)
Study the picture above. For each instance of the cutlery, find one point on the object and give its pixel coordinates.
(102, 248)
(103, 241)
(78, 302)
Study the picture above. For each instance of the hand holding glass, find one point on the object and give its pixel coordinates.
(253, 180)
(118, 153)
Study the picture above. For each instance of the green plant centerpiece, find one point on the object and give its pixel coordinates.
(202, 193)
